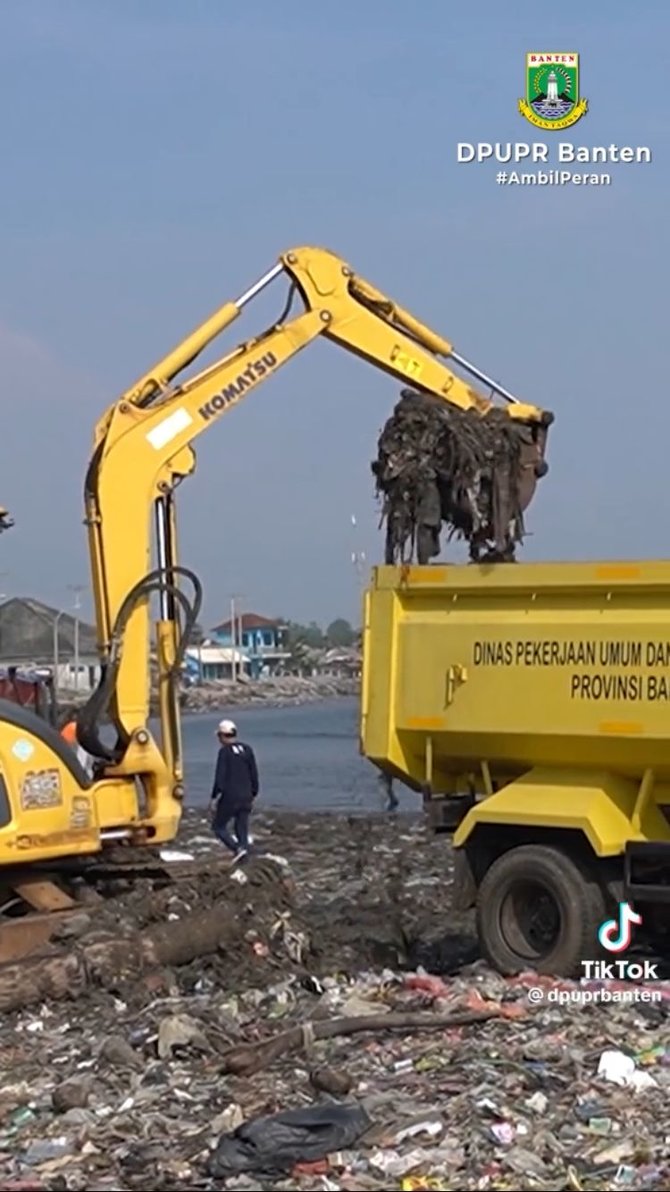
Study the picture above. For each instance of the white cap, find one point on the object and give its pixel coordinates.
(227, 728)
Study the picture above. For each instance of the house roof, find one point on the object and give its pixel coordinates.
(249, 621)
(342, 654)
(27, 632)
(213, 655)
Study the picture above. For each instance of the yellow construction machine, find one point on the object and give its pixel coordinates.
(530, 705)
(50, 811)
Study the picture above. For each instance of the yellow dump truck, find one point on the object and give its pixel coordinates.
(530, 705)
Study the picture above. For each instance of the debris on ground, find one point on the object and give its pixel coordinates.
(474, 472)
(278, 1142)
(233, 1071)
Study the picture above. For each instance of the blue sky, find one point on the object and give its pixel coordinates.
(159, 155)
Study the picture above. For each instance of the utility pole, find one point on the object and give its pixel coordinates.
(358, 557)
(56, 652)
(77, 589)
(233, 638)
(3, 577)
(360, 567)
(236, 633)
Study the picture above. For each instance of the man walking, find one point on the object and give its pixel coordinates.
(235, 788)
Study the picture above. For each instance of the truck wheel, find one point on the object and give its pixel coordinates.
(537, 909)
(656, 927)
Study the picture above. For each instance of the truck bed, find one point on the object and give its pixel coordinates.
(516, 666)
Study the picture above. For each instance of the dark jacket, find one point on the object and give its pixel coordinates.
(236, 778)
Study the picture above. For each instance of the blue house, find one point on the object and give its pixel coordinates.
(262, 642)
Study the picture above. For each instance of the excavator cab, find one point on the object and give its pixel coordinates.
(32, 689)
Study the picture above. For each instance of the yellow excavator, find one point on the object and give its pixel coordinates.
(50, 809)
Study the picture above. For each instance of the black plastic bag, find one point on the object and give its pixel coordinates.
(277, 1142)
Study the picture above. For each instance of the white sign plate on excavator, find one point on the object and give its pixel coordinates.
(167, 430)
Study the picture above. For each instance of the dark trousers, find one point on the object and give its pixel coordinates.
(240, 822)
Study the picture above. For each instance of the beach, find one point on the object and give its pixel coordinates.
(336, 981)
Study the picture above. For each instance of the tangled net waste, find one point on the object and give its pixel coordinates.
(439, 464)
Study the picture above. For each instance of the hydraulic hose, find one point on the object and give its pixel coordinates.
(103, 700)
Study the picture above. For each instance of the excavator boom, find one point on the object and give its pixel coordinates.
(361, 319)
(143, 449)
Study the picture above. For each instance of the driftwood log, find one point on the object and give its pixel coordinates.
(248, 1058)
(111, 960)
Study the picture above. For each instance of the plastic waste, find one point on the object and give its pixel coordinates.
(621, 1069)
(22, 1117)
(279, 1141)
(422, 1183)
(47, 1149)
(616, 1067)
(180, 1031)
(503, 1132)
(356, 1006)
(431, 1128)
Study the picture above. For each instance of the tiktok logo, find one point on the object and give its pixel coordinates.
(615, 934)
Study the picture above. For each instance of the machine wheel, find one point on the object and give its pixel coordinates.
(537, 909)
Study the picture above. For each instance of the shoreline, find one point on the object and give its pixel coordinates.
(290, 691)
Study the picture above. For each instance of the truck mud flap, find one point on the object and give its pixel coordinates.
(445, 815)
(647, 871)
(464, 889)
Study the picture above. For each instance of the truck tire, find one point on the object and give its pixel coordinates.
(657, 929)
(539, 910)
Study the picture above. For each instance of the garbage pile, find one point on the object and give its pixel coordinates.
(298, 1058)
(437, 464)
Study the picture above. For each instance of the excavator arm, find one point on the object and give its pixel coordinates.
(143, 449)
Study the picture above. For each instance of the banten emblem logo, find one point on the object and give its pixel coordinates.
(552, 91)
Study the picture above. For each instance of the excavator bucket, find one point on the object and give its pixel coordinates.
(473, 473)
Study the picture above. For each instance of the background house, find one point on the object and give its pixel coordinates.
(262, 641)
(208, 663)
(342, 662)
(33, 634)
